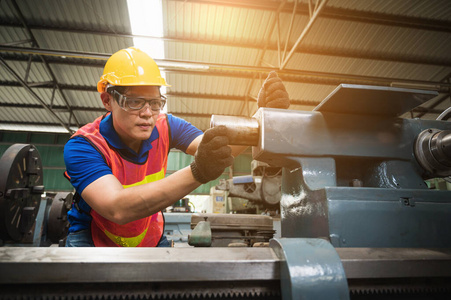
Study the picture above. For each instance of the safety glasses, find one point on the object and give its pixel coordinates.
(129, 103)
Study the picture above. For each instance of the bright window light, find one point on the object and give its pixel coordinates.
(146, 18)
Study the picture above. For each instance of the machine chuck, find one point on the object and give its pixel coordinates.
(433, 152)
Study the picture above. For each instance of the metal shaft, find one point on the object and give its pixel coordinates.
(240, 130)
(433, 152)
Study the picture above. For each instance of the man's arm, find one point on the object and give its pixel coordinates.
(110, 199)
(107, 196)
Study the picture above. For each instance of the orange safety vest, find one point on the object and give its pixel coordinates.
(145, 232)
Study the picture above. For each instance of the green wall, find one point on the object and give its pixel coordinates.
(51, 147)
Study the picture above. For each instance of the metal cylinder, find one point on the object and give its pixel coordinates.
(433, 152)
(441, 147)
(240, 130)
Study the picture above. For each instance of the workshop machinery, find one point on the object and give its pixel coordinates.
(223, 230)
(27, 216)
(358, 220)
(262, 188)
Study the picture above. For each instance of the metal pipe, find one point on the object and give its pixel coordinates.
(240, 130)
(289, 30)
(303, 34)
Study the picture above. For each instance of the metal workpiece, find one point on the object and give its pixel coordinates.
(240, 130)
(433, 152)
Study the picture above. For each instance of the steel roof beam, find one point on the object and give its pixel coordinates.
(339, 14)
(49, 70)
(301, 50)
(240, 71)
(313, 16)
(33, 94)
(259, 60)
(169, 94)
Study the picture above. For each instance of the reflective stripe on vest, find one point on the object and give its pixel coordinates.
(136, 240)
(126, 242)
(148, 178)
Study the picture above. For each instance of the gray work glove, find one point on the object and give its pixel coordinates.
(273, 93)
(212, 156)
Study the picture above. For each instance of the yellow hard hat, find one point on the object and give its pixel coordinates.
(130, 67)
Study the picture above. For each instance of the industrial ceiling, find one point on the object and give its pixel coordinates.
(218, 53)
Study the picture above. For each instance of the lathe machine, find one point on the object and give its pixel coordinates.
(358, 219)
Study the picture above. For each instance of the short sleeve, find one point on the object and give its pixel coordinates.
(182, 132)
(84, 164)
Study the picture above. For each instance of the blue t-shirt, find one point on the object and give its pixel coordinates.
(84, 164)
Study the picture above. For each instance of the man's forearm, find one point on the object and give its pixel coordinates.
(107, 196)
(158, 195)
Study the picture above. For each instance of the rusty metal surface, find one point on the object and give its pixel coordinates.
(240, 130)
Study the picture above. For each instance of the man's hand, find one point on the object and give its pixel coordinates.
(212, 156)
(273, 93)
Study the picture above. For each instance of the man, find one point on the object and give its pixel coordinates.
(117, 164)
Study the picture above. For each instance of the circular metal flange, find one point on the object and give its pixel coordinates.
(430, 154)
(21, 187)
(58, 224)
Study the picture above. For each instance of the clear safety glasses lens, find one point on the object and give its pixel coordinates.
(127, 103)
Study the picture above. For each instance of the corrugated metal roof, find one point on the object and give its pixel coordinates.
(436, 9)
(352, 41)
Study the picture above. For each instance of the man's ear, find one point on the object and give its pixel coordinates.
(106, 100)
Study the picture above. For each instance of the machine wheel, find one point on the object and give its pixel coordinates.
(21, 187)
(58, 224)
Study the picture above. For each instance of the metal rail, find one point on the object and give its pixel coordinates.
(64, 265)
(208, 273)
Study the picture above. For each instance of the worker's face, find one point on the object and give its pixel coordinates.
(134, 126)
